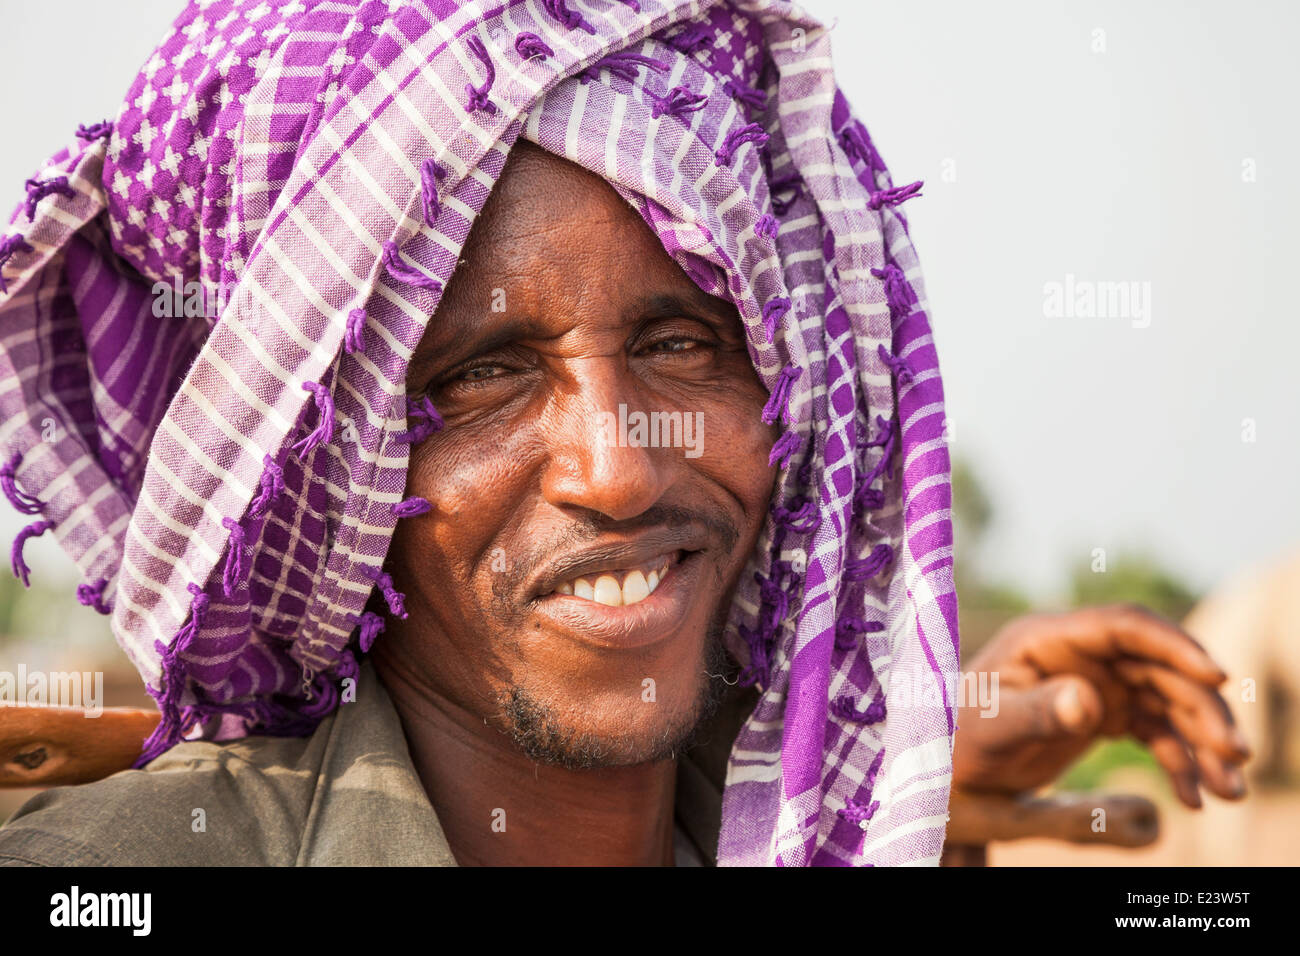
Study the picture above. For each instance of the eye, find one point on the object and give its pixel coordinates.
(677, 344)
(480, 372)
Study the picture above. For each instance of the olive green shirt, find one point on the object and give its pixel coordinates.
(348, 795)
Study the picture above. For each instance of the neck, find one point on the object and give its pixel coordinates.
(498, 807)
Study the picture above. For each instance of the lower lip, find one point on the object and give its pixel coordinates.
(655, 618)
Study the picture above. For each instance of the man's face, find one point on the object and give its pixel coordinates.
(528, 584)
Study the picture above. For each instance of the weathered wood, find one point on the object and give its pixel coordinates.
(54, 746)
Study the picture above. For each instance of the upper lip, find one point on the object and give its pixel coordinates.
(614, 554)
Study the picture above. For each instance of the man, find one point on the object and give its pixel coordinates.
(652, 429)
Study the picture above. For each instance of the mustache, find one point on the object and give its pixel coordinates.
(582, 531)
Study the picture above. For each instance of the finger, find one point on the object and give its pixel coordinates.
(1110, 631)
(1170, 751)
(1064, 706)
(1222, 778)
(1197, 712)
(1059, 657)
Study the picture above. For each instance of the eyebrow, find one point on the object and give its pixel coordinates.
(478, 340)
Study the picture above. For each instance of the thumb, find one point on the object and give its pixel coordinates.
(1067, 705)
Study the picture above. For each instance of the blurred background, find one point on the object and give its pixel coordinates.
(1146, 452)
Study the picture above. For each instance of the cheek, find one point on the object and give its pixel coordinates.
(736, 445)
(471, 484)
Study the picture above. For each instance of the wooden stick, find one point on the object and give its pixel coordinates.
(55, 746)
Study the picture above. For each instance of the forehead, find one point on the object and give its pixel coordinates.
(546, 208)
(554, 235)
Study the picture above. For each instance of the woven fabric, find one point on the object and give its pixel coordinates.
(228, 477)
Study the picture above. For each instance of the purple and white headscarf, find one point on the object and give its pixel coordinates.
(228, 478)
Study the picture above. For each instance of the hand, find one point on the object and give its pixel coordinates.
(1066, 679)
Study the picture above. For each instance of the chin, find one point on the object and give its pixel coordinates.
(635, 725)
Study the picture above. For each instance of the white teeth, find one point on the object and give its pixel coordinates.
(608, 592)
(635, 587)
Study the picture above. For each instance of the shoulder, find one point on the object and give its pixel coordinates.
(245, 802)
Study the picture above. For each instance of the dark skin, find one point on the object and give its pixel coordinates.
(523, 485)
(528, 706)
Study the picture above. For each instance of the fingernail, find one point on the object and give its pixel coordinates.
(1069, 709)
(1239, 740)
(1237, 781)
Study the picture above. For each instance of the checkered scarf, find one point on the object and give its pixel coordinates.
(208, 305)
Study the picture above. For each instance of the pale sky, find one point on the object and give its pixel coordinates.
(1107, 141)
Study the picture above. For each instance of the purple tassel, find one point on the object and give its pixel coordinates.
(779, 401)
(871, 565)
(803, 520)
(898, 292)
(412, 507)
(21, 570)
(529, 45)
(678, 101)
(324, 430)
(785, 446)
(427, 418)
(855, 812)
(234, 572)
(92, 595)
(431, 173)
(767, 225)
(895, 196)
(95, 131)
(773, 311)
(624, 64)
(22, 502)
(774, 188)
(9, 246)
(860, 813)
(347, 666)
(570, 18)
(745, 94)
(372, 625)
(898, 366)
(169, 730)
(869, 499)
(395, 598)
(750, 133)
(696, 37)
(354, 335)
(272, 488)
(776, 603)
(855, 143)
(847, 629)
(843, 708)
(400, 271)
(38, 189)
(478, 95)
(757, 671)
(886, 433)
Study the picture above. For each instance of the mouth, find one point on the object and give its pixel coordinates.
(627, 604)
(620, 587)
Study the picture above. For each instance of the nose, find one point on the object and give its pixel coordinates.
(592, 461)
